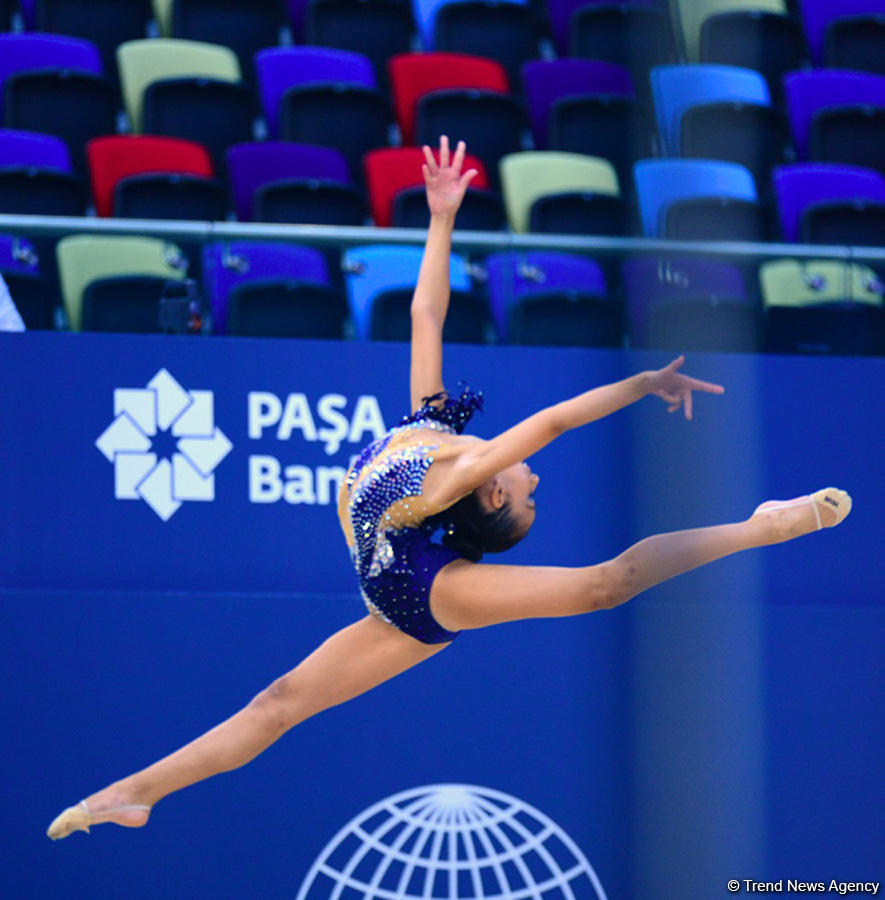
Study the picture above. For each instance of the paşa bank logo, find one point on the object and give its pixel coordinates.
(453, 841)
(164, 444)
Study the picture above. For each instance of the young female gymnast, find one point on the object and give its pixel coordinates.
(423, 475)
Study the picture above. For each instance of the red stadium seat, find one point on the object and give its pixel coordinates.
(115, 157)
(412, 75)
(392, 169)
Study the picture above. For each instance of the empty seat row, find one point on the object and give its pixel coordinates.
(535, 297)
(541, 191)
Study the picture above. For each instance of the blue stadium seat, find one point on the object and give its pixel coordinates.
(678, 88)
(662, 182)
(371, 270)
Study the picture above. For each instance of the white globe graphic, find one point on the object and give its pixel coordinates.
(453, 841)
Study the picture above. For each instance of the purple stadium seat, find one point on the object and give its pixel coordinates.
(20, 52)
(797, 187)
(648, 281)
(281, 68)
(225, 266)
(514, 276)
(28, 148)
(297, 13)
(547, 80)
(807, 92)
(561, 13)
(252, 165)
(817, 15)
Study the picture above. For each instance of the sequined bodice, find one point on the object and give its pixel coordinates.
(383, 491)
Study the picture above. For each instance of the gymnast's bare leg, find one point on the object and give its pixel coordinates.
(370, 652)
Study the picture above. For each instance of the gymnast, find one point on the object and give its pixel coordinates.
(423, 478)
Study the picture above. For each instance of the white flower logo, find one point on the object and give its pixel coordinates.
(159, 414)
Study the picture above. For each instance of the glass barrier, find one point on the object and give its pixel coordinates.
(225, 278)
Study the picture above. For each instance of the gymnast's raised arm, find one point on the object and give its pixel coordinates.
(445, 190)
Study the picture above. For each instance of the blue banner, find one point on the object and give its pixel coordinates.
(169, 546)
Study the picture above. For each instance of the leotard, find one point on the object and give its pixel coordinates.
(384, 515)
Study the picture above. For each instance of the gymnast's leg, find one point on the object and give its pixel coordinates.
(465, 595)
(349, 663)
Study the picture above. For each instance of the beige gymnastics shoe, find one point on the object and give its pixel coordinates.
(832, 499)
(79, 818)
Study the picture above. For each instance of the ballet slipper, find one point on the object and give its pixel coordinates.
(833, 499)
(79, 818)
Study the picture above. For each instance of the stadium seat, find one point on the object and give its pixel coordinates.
(677, 89)
(74, 106)
(309, 200)
(216, 114)
(392, 169)
(84, 258)
(286, 308)
(578, 212)
(717, 219)
(170, 196)
(349, 118)
(227, 265)
(649, 282)
(768, 42)
(481, 210)
(632, 35)
(35, 176)
(526, 177)
(245, 26)
(705, 325)
(690, 15)
(562, 14)
(115, 157)
(468, 320)
(570, 318)
(491, 124)
(857, 42)
(107, 23)
(822, 306)
(751, 134)
(815, 93)
(855, 222)
(507, 32)
(615, 128)
(799, 186)
(143, 62)
(123, 303)
(426, 13)
(376, 29)
(516, 277)
(252, 165)
(282, 68)
(818, 15)
(850, 134)
(412, 75)
(547, 81)
(371, 270)
(661, 182)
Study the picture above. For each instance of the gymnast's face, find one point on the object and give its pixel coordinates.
(516, 486)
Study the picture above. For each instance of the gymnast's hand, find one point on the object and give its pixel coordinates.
(675, 388)
(444, 181)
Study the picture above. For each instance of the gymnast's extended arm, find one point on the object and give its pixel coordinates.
(430, 302)
(484, 459)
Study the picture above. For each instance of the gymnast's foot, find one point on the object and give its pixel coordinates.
(792, 518)
(105, 806)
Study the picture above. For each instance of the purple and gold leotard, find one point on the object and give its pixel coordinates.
(384, 516)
